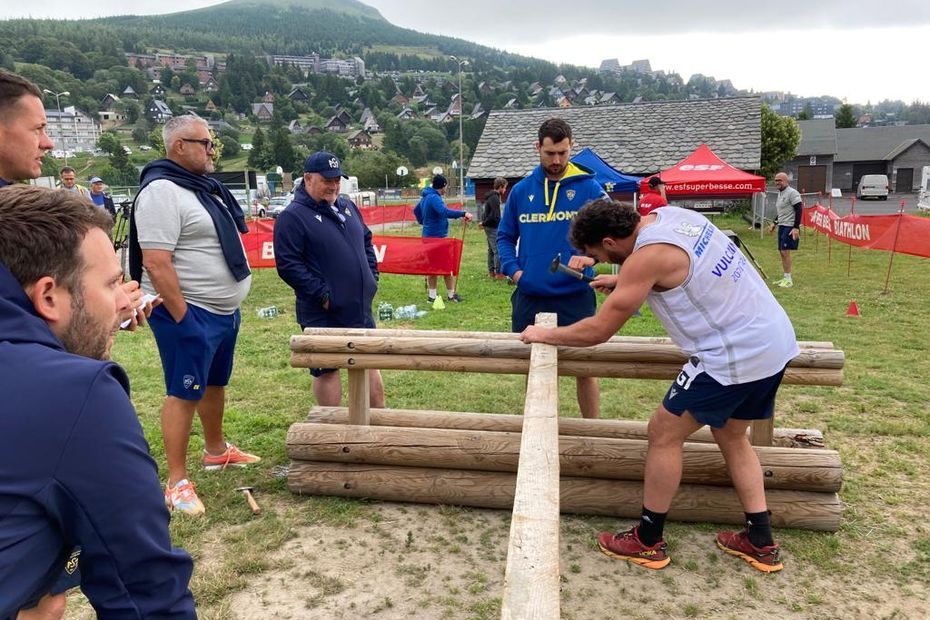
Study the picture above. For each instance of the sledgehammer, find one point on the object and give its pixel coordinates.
(556, 266)
(247, 491)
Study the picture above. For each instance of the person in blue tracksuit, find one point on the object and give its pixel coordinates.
(538, 215)
(436, 218)
(76, 469)
(323, 251)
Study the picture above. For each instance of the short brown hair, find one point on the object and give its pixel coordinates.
(603, 218)
(500, 182)
(12, 88)
(42, 233)
(556, 129)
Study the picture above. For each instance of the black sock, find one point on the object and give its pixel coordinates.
(759, 528)
(650, 527)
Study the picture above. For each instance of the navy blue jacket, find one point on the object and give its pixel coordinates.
(75, 470)
(323, 258)
(435, 214)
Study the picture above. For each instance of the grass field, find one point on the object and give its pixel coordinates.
(877, 565)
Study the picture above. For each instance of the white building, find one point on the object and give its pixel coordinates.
(72, 130)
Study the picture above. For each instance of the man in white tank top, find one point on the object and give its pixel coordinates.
(716, 308)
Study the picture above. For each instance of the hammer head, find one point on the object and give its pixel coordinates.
(250, 489)
(554, 265)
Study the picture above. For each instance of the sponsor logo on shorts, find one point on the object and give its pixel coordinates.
(672, 393)
(72, 564)
(188, 381)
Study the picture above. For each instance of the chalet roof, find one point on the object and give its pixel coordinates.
(636, 139)
(877, 143)
(818, 137)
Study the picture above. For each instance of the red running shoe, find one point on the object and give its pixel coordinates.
(627, 546)
(763, 559)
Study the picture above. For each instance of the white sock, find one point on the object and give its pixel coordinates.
(432, 293)
(788, 277)
(450, 292)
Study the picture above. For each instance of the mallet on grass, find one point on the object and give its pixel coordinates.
(556, 266)
(247, 491)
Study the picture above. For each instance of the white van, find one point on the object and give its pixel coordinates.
(873, 186)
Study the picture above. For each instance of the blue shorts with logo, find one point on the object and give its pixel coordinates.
(712, 403)
(569, 308)
(785, 242)
(197, 352)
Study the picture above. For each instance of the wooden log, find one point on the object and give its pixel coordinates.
(619, 498)
(618, 429)
(589, 457)
(359, 397)
(666, 353)
(531, 578)
(436, 333)
(448, 363)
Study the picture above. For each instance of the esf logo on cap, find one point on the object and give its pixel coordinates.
(324, 163)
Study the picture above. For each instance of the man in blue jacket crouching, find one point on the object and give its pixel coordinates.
(76, 469)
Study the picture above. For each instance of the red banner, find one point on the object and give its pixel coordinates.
(902, 233)
(387, 214)
(405, 255)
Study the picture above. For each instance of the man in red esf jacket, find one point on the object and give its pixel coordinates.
(653, 195)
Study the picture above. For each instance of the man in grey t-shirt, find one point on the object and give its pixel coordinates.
(788, 221)
(193, 257)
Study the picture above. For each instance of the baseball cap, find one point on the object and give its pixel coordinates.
(95, 180)
(326, 164)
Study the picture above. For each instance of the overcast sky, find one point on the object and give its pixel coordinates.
(856, 50)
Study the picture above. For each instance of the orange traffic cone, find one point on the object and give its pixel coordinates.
(853, 309)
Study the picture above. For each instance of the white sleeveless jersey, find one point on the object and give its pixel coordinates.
(723, 312)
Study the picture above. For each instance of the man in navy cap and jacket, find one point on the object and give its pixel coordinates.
(323, 251)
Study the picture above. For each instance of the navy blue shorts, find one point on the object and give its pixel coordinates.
(713, 404)
(197, 352)
(70, 577)
(569, 308)
(785, 242)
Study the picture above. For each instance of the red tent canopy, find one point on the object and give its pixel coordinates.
(704, 175)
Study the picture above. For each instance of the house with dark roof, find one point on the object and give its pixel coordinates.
(298, 94)
(158, 111)
(157, 90)
(359, 140)
(897, 151)
(812, 167)
(336, 125)
(264, 112)
(639, 139)
(130, 92)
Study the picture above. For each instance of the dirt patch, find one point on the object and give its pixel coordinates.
(437, 562)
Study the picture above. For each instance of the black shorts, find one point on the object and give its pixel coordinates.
(569, 308)
(712, 403)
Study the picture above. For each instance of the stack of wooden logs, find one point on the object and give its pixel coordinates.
(471, 459)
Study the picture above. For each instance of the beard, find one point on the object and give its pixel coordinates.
(85, 335)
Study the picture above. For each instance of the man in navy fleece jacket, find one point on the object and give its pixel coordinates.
(75, 469)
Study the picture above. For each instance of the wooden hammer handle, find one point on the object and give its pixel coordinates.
(256, 509)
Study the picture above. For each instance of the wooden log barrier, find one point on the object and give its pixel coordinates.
(423, 333)
(590, 457)
(664, 353)
(617, 429)
(618, 498)
(451, 363)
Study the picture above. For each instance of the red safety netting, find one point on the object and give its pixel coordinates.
(902, 233)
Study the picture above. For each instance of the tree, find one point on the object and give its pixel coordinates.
(780, 138)
(259, 155)
(844, 117)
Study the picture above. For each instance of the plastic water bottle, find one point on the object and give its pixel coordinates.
(267, 313)
(406, 312)
(385, 311)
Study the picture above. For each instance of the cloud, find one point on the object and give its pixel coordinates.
(526, 22)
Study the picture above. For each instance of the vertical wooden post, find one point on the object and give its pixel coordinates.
(762, 432)
(531, 581)
(359, 397)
